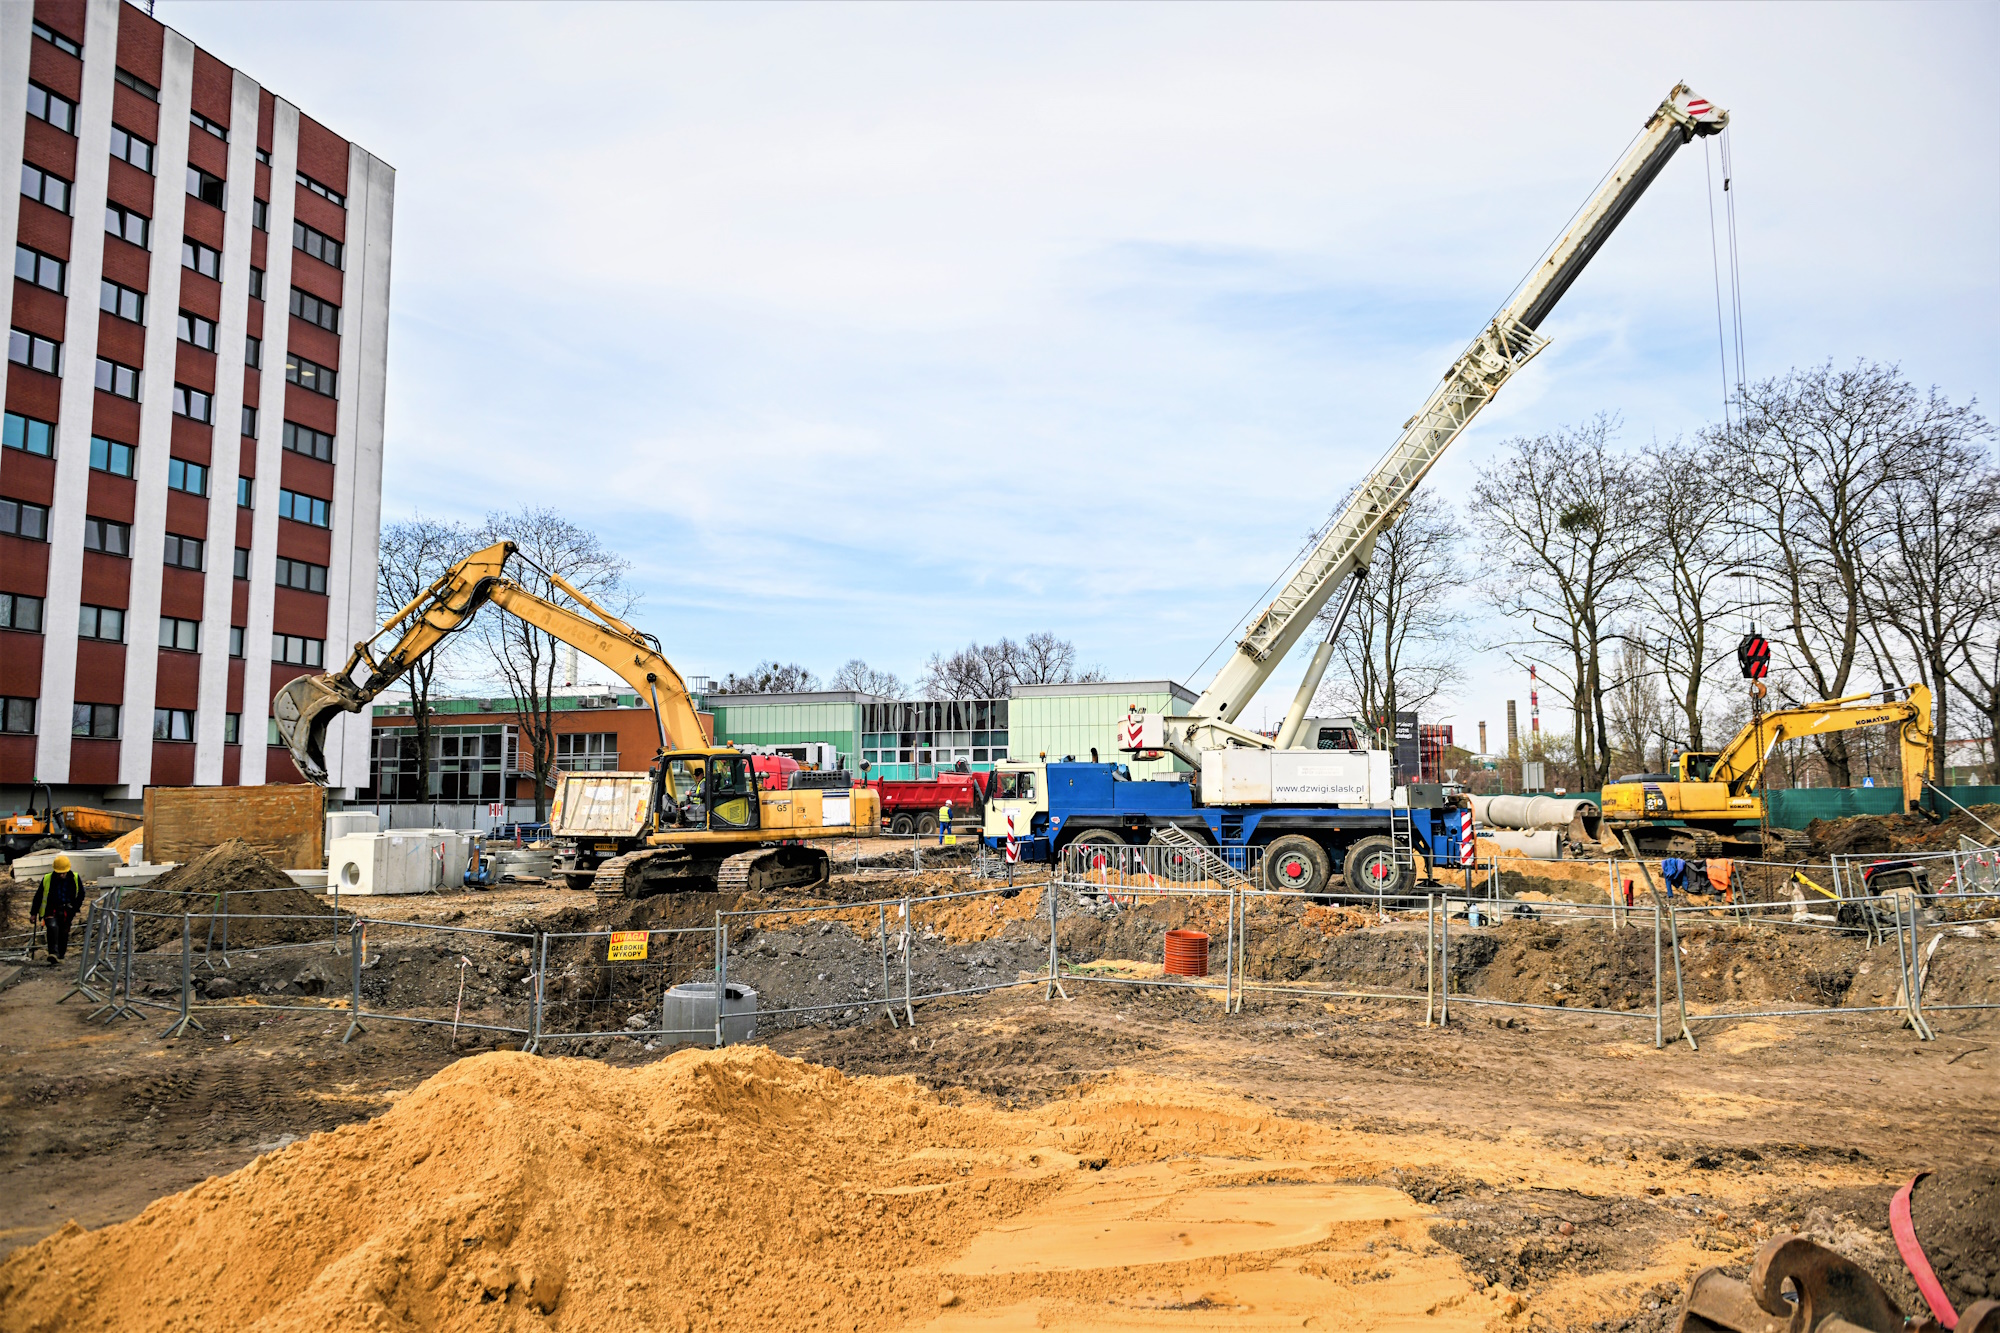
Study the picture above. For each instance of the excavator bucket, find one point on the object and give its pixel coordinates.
(303, 710)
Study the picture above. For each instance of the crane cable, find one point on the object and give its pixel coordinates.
(1729, 338)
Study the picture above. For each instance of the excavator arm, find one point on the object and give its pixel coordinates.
(1741, 763)
(304, 708)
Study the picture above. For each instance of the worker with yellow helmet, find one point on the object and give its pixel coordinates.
(57, 902)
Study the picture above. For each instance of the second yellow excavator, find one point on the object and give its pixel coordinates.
(698, 817)
(1710, 806)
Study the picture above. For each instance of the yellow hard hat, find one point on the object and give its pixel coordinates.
(62, 862)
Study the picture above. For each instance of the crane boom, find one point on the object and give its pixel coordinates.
(305, 706)
(1502, 348)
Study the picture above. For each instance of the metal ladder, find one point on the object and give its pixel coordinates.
(1207, 860)
(1402, 835)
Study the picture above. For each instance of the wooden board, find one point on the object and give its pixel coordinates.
(284, 821)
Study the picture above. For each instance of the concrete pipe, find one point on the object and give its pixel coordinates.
(1577, 819)
(1535, 844)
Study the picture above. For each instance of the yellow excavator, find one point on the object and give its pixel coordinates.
(698, 818)
(1709, 805)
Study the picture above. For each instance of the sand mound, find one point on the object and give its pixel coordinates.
(740, 1189)
(255, 888)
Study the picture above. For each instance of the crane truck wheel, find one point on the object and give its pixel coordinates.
(1296, 864)
(902, 826)
(1371, 868)
(1102, 848)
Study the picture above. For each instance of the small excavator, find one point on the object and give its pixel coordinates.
(696, 820)
(1710, 806)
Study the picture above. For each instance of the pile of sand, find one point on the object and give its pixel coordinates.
(233, 878)
(740, 1189)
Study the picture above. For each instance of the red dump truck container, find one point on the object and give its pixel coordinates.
(911, 805)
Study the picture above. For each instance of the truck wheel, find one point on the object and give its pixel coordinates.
(1296, 864)
(1106, 848)
(1371, 868)
(926, 825)
(902, 826)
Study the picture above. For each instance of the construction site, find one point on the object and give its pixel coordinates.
(585, 991)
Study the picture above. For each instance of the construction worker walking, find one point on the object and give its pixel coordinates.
(56, 904)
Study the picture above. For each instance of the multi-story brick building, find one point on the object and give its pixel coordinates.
(190, 492)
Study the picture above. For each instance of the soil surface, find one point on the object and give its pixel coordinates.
(1496, 1132)
(263, 904)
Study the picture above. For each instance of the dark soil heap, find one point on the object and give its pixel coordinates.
(1880, 834)
(253, 888)
(1956, 1215)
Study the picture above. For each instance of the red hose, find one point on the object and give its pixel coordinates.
(1905, 1231)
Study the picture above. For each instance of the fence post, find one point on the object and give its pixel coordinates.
(539, 956)
(721, 972)
(185, 1020)
(93, 943)
(1917, 976)
(357, 948)
(1430, 958)
(882, 933)
(1674, 944)
(1659, 991)
(1444, 963)
(909, 923)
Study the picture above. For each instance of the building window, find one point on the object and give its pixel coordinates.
(18, 716)
(40, 269)
(114, 378)
(117, 299)
(257, 283)
(264, 156)
(173, 724)
(194, 329)
(587, 752)
(43, 188)
(123, 223)
(56, 109)
(312, 443)
(260, 215)
(245, 488)
(293, 650)
(57, 40)
(201, 258)
(236, 641)
(209, 189)
(219, 131)
(253, 357)
(302, 576)
(129, 147)
(18, 611)
(107, 536)
(139, 86)
(249, 422)
(31, 436)
(303, 509)
(194, 404)
(313, 310)
(232, 728)
(35, 352)
(316, 244)
(242, 565)
(185, 476)
(310, 375)
(183, 636)
(182, 552)
(110, 456)
(18, 518)
(101, 622)
(332, 196)
(98, 721)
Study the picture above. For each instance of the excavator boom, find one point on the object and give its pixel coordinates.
(306, 706)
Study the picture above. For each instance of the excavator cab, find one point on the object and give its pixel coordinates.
(1695, 766)
(709, 791)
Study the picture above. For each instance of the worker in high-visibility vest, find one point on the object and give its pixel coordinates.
(56, 904)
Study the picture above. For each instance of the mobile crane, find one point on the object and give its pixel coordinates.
(1309, 794)
(1709, 805)
(696, 818)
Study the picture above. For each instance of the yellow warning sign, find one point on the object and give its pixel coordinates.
(627, 946)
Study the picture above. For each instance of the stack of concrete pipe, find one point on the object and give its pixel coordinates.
(1538, 827)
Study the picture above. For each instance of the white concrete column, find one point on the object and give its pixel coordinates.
(218, 587)
(15, 34)
(156, 414)
(357, 448)
(270, 442)
(79, 393)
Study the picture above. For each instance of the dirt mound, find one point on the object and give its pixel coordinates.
(1956, 1215)
(254, 888)
(742, 1189)
(1866, 835)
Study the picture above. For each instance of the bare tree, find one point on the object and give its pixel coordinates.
(1687, 580)
(989, 671)
(526, 657)
(1554, 513)
(1821, 451)
(1637, 715)
(858, 675)
(1401, 640)
(771, 678)
(415, 555)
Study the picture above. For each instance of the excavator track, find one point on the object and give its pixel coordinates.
(769, 869)
(654, 870)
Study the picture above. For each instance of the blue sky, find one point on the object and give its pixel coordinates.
(870, 331)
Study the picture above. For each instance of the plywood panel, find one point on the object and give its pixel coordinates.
(284, 821)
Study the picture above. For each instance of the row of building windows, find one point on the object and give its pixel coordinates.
(106, 624)
(38, 437)
(100, 721)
